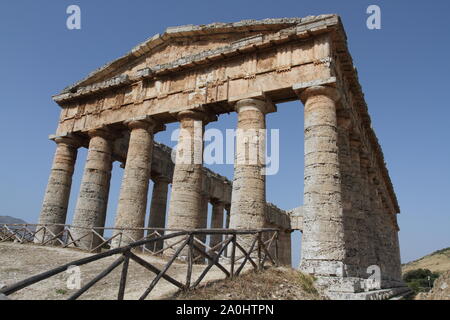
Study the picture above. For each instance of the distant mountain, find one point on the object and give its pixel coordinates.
(11, 220)
(438, 261)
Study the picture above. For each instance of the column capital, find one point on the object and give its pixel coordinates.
(263, 105)
(329, 92)
(145, 122)
(217, 202)
(192, 115)
(205, 196)
(68, 139)
(161, 179)
(103, 132)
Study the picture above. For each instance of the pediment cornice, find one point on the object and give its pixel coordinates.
(278, 29)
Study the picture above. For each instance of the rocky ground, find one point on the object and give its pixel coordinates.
(20, 261)
(440, 291)
(272, 284)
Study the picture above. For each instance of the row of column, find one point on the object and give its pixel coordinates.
(348, 225)
(188, 207)
(347, 222)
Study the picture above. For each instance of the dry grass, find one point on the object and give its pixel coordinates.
(280, 283)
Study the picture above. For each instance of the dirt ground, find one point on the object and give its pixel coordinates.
(20, 261)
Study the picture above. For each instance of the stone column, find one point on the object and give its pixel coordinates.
(158, 207)
(204, 217)
(398, 263)
(227, 225)
(350, 214)
(377, 223)
(132, 204)
(393, 249)
(284, 248)
(216, 222)
(323, 243)
(367, 221)
(56, 199)
(249, 184)
(357, 204)
(388, 230)
(186, 198)
(384, 243)
(90, 211)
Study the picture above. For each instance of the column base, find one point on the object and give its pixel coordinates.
(353, 288)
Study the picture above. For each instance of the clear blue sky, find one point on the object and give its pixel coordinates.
(404, 70)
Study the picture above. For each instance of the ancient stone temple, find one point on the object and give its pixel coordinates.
(191, 75)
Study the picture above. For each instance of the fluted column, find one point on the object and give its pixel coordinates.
(367, 221)
(227, 225)
(397, 269)
(249, 184)
(350, 213)
(204, 216)
(393, 248)
(375, 220)
(382, 234)
(90, 211)
(134, 190)
(323, 243)
(186, 198)
(56, 199)
(389, 239)
(216, 222)
(158, 207)
(357, 204)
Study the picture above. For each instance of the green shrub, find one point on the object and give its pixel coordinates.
(420, 280)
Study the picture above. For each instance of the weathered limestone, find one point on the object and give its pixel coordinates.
(216, 222)
(384, 245)
(56, 199)
(388, 228)
(366, 222)
(350, 215)
(186, 198)
(249, 182)
(158, 207)
(284, 248)
(358, 206)
(133, 193)
(92, 201)
(323, 243)
(375, 220)
(191, 74)
(204, 203)
(397, 264)
(281, 220)
(248, 205)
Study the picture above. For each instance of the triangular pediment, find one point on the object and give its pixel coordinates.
(185, 41)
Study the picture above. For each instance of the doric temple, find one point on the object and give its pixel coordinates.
(192, 74)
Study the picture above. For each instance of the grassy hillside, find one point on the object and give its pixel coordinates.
(438, 261)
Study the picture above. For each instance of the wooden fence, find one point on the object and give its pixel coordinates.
(244, 247)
